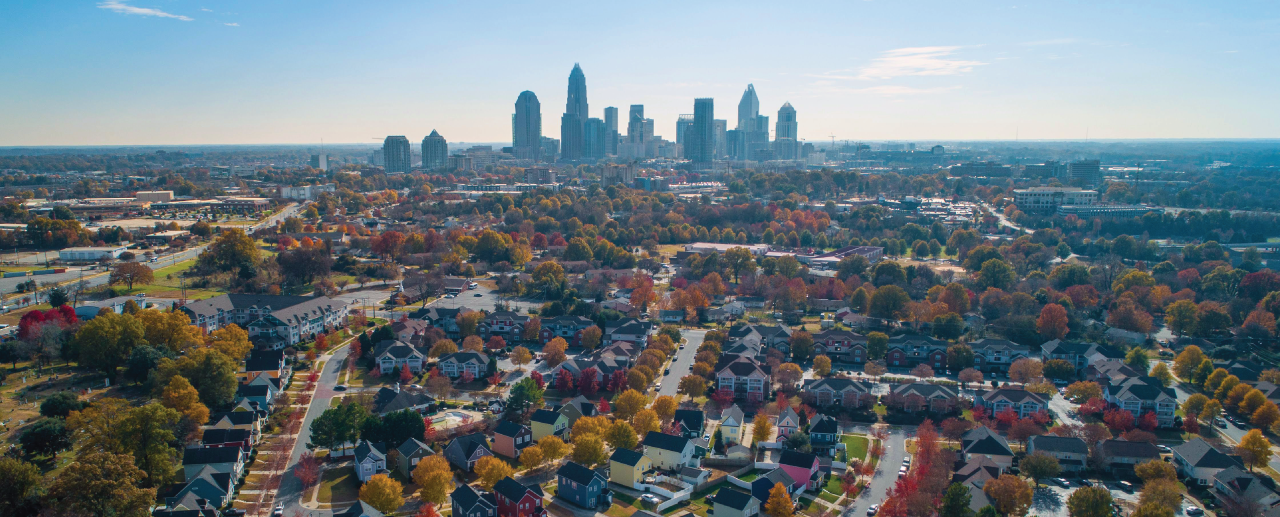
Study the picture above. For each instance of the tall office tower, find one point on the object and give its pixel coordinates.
(397, 154)
(611, 131)
(376, 158)
(1087, 172)
(572, 124)
(550, 148)
(784, 143)
(683, 123)
(748, 109)
(646, 132)
(526, 127)
(635, 124)
(700, 142)
(721, 148)
(595, 137)
(320, 162)
(435, 151)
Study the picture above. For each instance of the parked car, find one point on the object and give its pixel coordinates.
(873, 509)
(340, 387)
(1220, 422)
(278, 511)
(1085, 482)
(1062, 482)
(1164, 448)
(1193, 511)
(1126, 486)
(650, 498)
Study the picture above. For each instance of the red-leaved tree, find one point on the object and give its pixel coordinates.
(587, 383)
(307, 470)
(564, 381)
(1148, 422)
(1118, 420)
(537, 378)
(405, 374)
(1007, 416)
(1190, 424)
(603, 406)
(1093, 406)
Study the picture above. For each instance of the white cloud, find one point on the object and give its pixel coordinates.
(917, 61)
(123, 8)
(206, 10)
(233, 24)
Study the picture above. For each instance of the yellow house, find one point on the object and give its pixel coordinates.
(546, 423)
(627, 468)
(731, 424)
(669, 452)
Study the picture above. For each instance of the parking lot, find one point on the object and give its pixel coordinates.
(1051, 500)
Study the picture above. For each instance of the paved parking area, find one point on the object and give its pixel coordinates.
(1051, 500)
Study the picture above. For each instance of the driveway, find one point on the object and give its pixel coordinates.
(885, 476)
(670, 383)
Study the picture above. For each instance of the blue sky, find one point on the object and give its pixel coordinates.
(97, 72)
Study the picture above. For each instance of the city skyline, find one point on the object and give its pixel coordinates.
(138, 73)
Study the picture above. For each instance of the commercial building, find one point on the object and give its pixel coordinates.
(715, 247)
(611, 131)
(573, 123)
(435, 151)
(396, 153)
(982, 169)
(1087, 211)
(90, 253)
(1048, 199)
(595, 139)
(320, 162)
(785, 146)
(614, 174)
(1087, 172)
(700, 145)
(540, 175)
(526, 128)
(153, 196)
(307, 192)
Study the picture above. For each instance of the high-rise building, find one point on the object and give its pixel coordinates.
(635, 124)
(700, 143)
(397, 154)
(748, 109)
(526, 127)
(550, 148)
(611, 131)
(721, 148)
(320, 162)
(752, 132)
(595, 138)
(683, 123)
(572, 124)
(785, 139)
(376, 158)
(435, 151)
(1087, 172)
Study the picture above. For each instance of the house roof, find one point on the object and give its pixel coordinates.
(401, 350)
(838, 384)
(1015, 396)
(665, 441)
(733, 414)
(388, 400)
(926, 390)
(470, 442)
(219, 436)
(465, 498)
(465, 357)
(983, 440)
(578, 473)
(824, 424)
(733, 498)
(211, 455)
(413, 446)
(368, 450)
(509, 428)
(998, 344)
(693, 419)
(1142, 388)
(626, 457)
(977, 471)
(545, 416)
(1050, 443)
(1198, 453)
(1128, 449)
(1245, 486)
(774, 477)
(794, 458)
(513, 490)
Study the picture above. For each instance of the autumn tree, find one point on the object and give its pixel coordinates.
(1094, 501)
(1025, 370)
(590, 338)
(231, 340)
(1255, 449)
(779, 503)
(761, 429)
(553, 352)
(130, 273)
(1052, 323)
(628, 403)
(588, 449)
(1040, 466)
(491, 470)
(172, 330)
(1009, 494)
(101, 484)
(384, 493)
(553, 448)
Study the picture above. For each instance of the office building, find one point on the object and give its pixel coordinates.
(573, 123)
(397, 154)
(376, 158)
(982, 169)
(320, 162)
(618, 175)
(1048, 199)
(1087, 172)
(721, 147)
(435, 151)
(683, 125)
(1048, 169)
(700, 144)
(635, 124)
(306, 192)
(1090, 211)
(752, 132)
(550, 148)
(595, 138)
(540, 175)
(785, 139)
(526, 128)
(571, 137)
(611, 131)
(748, 109)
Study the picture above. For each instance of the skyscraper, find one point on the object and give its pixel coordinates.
(1087, 172)
(748, 109)
(752, 132)
(572, 124)
(683, 124)
(611, 131)
(320, 162)
(721, 148)
(526, 127)
(397, 154)
(784, 144)
(700, 144)
(594, 137)
(635, 124)
(435, 151)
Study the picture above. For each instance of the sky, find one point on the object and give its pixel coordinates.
(174, 72)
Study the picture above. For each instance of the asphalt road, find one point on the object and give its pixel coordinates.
(684, 359)
(290, 488)
(885, 476)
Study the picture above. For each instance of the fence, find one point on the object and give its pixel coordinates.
(725, 462)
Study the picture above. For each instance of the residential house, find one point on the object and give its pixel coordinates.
(1079, 354)
(604, 367)
(776, 337)
(1140, 395)
(409, 453)
(627, 467)
(506, 324)
(1024, 403)
(1071, 453)
(191, 505)
(1246, 371)
(838, 390)
(1243, 493)
(743, 377)
(269, 363)
(691, 422)
(673, 316)
(399, 355)
(824, 434)
(669, 452)
(977, 471)
(469, 502)
(731, 502)
(618, 305)
(250, 421)
(788, 422)
(263, 395)
(272, 321)
(582, 486)
(731, 423)
(546, 422)
(803, 468)
(1270, 390)
(509, 438)
(578, 407)
(241, 438)
(618, 354)
(1124, 455)
(1110, 371)
(390, 400)
(761, 486)
(206, 483)
(627, 329)
(996, 355)
(919, 395)
(841, 345)
(464, 451)
(568, 328)
(456, 364)
(371, 460)
(518, 500)
(984, 442)
(1198, 460)
(909, 350)
(713, 315)
(407, 330)
(1128, 337)
(228, 460)
(735, 309)
(442, 318)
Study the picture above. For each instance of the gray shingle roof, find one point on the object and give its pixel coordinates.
(665, 441)
(1050, 443)
(1199, 453)
(733, 498)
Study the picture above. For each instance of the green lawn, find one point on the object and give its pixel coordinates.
(855, 446)
(339, 485)
(750, 476)
(880, 409)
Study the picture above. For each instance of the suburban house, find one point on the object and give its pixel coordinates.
(730, 502)
(731, 422)
(464, 451)
(977, 471)
(546, 422)
(669, 452)
(455, 364)
(627, 467)
(1079, 354)
(1123, 455)
(568, 328)
(582, 486)
(761, 486)
(984, 442)
(225, 460)
(691, 422)
(1024, 403)
(788, 422)
(191, 505)
(909, 350)
(399, 355)
(263, 395)
(604, 367)
(262, 363)
(803, 468)
(744, 378)
(1110, 371)
(996, 355)
(1252, 495)
(241, 438)
(919, 395)
(409, 454)
(390, 400)
(468, 502)
(578, 407)
(841, 345)
(360, 509)
(824, 434)
(506, 324)
(518, 500)
(672, 316)
(250, 421)
(840, 391)
(371, 460)
(509, 438)
(1246, 371)
(626, 329)
(406, 330)
(208, 484)
(776, 337)
(1072, 453)
(273, 322)
(1198, 460)
(441, 318)
(1142, 394)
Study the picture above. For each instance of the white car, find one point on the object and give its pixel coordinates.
(450, 295)
(1193, 511)
(650, 498)
(873, 509)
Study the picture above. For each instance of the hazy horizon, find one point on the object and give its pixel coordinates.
(176, 72)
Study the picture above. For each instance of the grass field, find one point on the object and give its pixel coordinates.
(168, 284)
(339, 485)
(855, 446)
